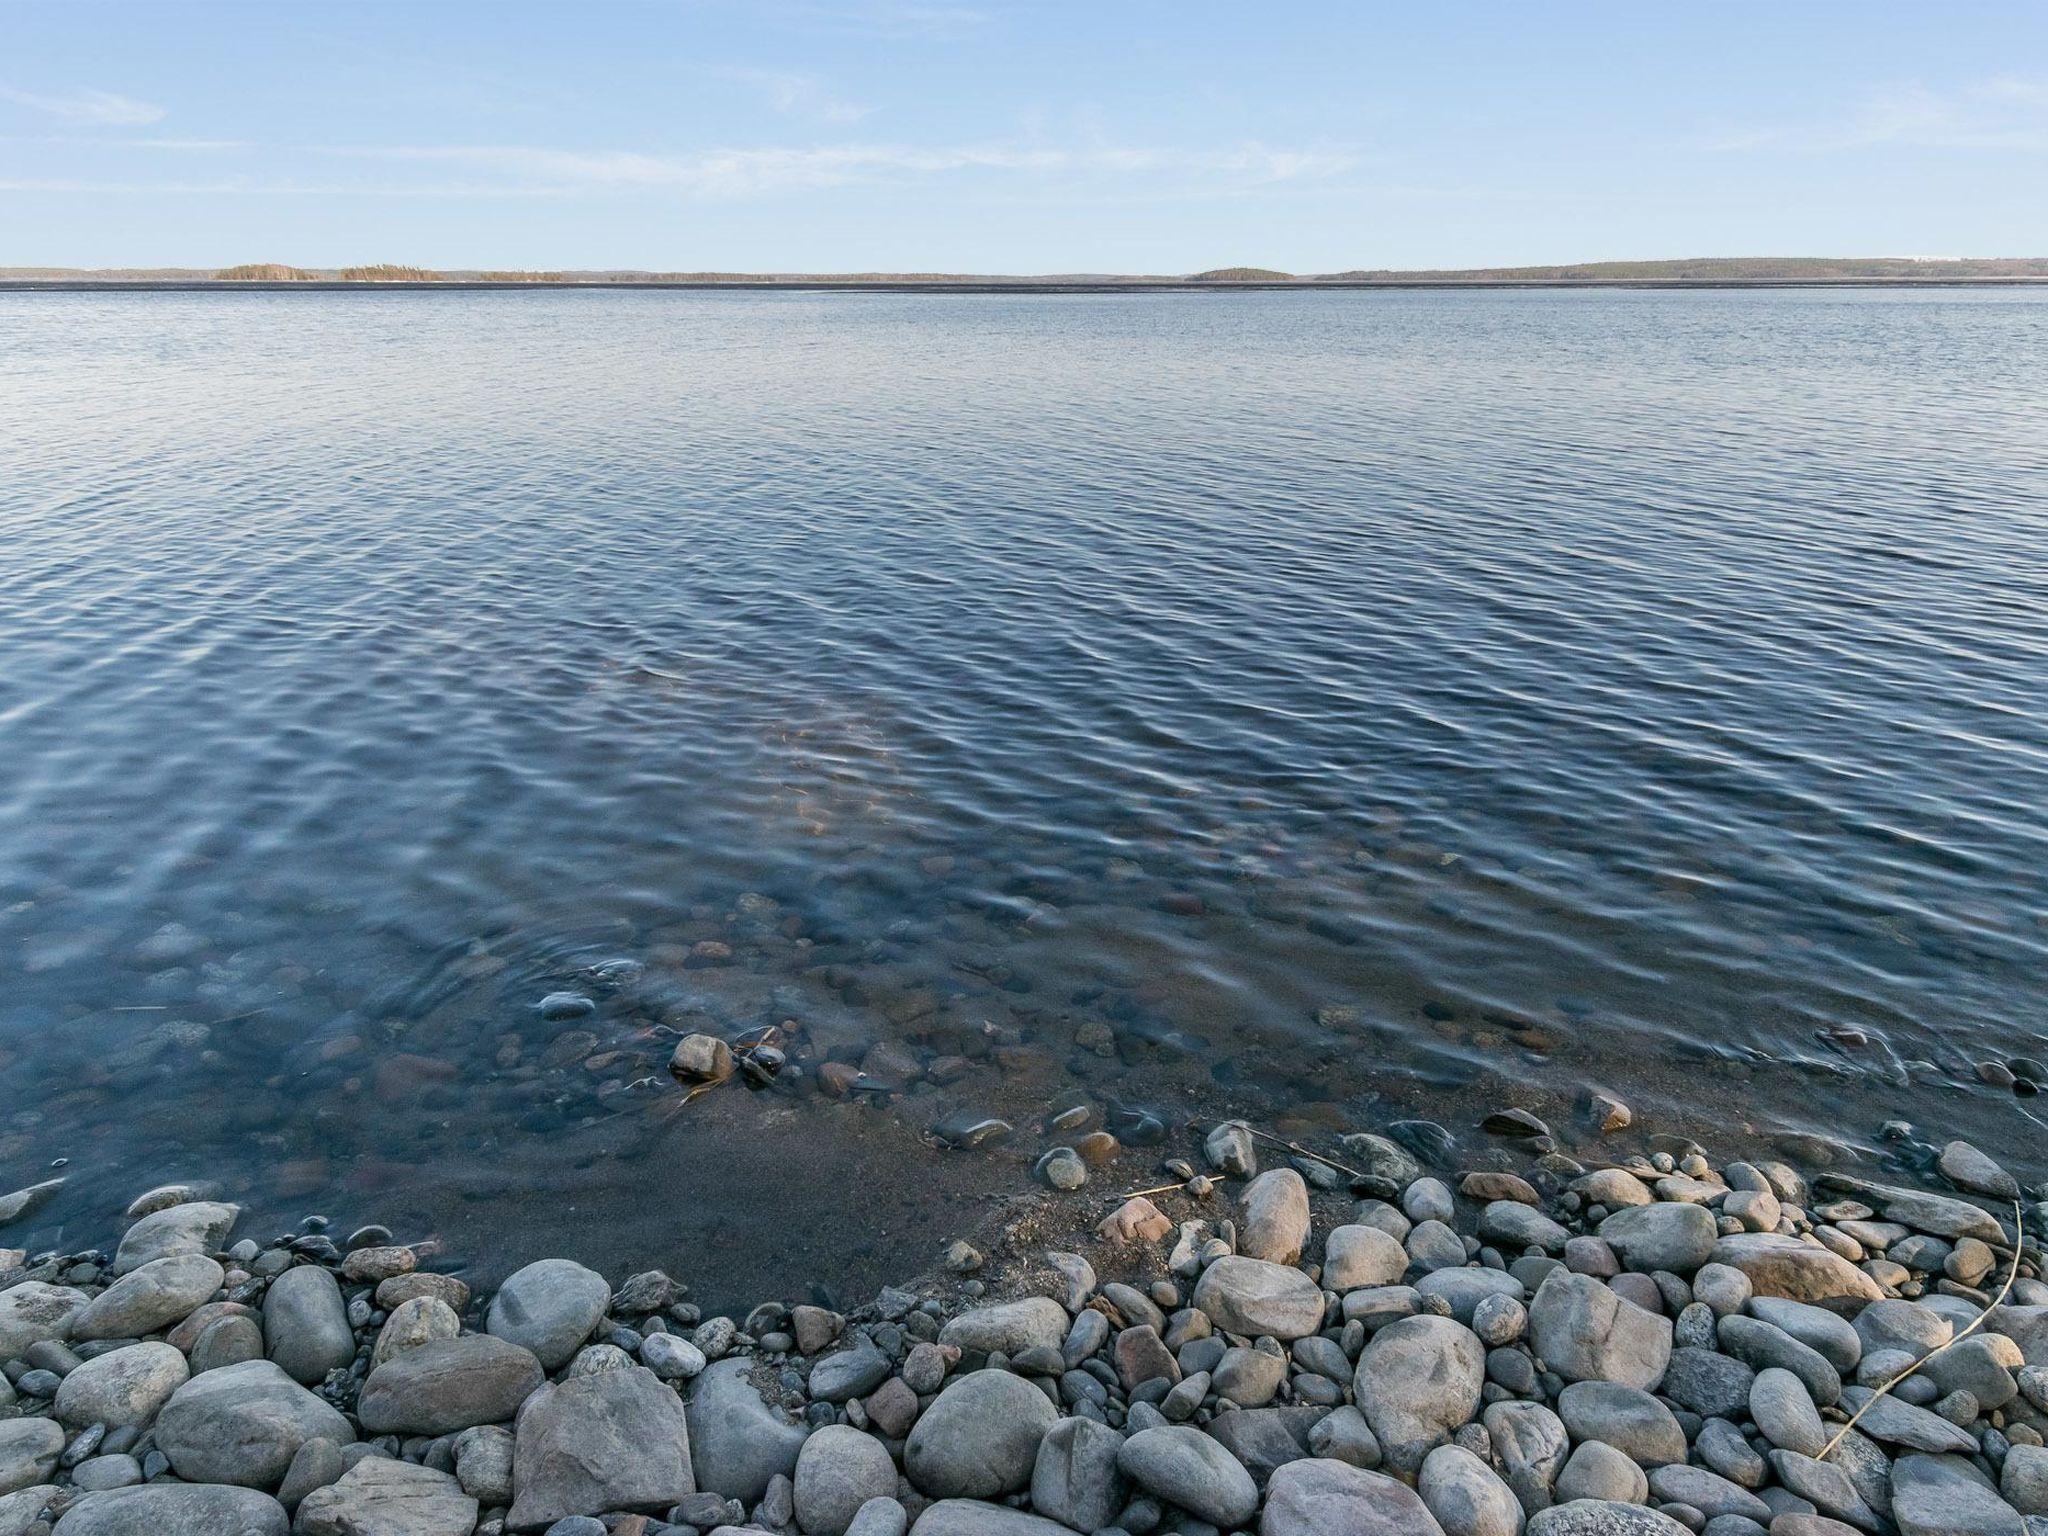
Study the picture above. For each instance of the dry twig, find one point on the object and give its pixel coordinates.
(2019, 1236)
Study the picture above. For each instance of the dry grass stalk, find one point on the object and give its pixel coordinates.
(2019, 1237)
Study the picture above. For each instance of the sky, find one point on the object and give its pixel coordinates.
(1016, 136)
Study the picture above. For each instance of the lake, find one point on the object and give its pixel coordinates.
(1326, 708)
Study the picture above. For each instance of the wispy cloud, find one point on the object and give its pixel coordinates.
(877, 18)
(755, 172)
(797, 95)
(2002, 112)
(101, 107)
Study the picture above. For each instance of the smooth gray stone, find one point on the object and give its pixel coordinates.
(385, 1496)
(32, 1312)
(29, 1449)
(1896, 1423)
(1586, 1332)
(1708, 1492)
(175, 1509)
(549, 1308)
(1668, 1235)
(1825, 1485)
(483, 1463)
(318, 1463)
(590, 1445)
(738, 1444)
(840, 1469)
(1831, 1335)
(1784, 1412)
(979, 1439)
(1011, 1327)
(1527, 1436)
(971, 1517)
(195, 1227)
(1266, 1439)
(243, 1424)
(1191, 1471)
(150, 1298)
(879, 1517)
(1797, 1271)
(305, 1324)
(1947, 1496)
(1075, 1479)
(1418, 1380)
(1333, 1498)
(1759, 1345)
(1627, 1418)
(1466, 1495)
(448, 1385)
(851, 1372)
(1275, 1222)
(1598, 1471)
(1250, 1297)
(123, 1387)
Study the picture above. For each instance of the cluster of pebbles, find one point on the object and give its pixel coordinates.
(1648, 1348)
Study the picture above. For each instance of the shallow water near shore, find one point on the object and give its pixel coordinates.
(1325, 708)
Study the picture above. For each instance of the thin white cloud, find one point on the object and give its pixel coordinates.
(87, 106)
(798, 95)
(876, 18)
(2003, 112)
(735, 173)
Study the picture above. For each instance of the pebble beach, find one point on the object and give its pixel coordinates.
(1418, 1330)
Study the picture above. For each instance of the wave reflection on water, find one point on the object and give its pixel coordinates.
(1298, 705)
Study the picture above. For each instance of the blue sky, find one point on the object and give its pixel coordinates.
(986, 135)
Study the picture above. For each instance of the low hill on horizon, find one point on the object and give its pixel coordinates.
(1704, 270)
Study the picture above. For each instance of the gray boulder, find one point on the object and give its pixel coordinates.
(150, 1297)
(1358, 1255)
(1466, 1495)
(243, 1424)
(549, 1308)
(1586, 1332)
(448, 1385)
(1332, 1498)
(1251, 1296)
(122, 1388)
(1035, 1322)
(1947, 1496)
(971, 1517)
(1418, 1380)
(306, 1323)
(176, 1509)
(1528, 1439)
(29, 1449)
(1266, 1439)
(32, 1312)
(1626, 1418)
(738, 1444)
(1668, 1235)
(1075, 1479)
(1900, 1423)
(1708, 1492)
(590, 1445)
(382, 1497)
(839, 1470)
(1275, 1224)
(979, 1439)
(1593, 1517)
(1191, 1471)
(196, 1227)
(1797, 1271)
(1598, 1471)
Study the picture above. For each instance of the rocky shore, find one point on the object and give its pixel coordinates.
(1363, 1339)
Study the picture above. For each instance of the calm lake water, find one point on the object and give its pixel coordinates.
(1326, 707)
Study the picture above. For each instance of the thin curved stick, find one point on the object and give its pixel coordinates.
(2019, 1231)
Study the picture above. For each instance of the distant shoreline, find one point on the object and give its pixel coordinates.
(1022, 286)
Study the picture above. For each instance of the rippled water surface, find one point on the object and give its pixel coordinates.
(1321, 707)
